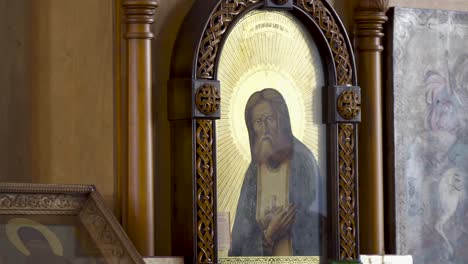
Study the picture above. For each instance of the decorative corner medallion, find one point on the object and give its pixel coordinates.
(349, 104)
(207, 99)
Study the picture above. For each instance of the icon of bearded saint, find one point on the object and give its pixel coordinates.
(280, 210)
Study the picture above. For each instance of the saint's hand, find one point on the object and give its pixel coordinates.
(280, 223)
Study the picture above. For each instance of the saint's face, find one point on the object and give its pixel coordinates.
(266, 129)
(265, 122)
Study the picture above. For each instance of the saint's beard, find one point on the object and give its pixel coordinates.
(272, 150)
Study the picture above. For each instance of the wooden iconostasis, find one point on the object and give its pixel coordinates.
(61, 71)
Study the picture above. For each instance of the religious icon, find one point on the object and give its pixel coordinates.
(264, 107)
(271, 140)
(57, 223)
(274, 214)
(24, 239)
(38, 243)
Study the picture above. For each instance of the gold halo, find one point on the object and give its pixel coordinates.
(256, 79)
(15, 224)
(266, 49)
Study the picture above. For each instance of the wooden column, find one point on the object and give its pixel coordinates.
(369, 25)
(138, 214)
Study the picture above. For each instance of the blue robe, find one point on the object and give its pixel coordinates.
(306, 192)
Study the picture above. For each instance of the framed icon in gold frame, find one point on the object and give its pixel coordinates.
(264, 109)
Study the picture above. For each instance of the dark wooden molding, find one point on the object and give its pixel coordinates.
(139, 13)
(80, 201)
(120, 138)
(138, 218)
(369, 32)
(369, 29)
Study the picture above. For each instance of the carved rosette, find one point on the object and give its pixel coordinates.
(205, 191)
(207, 99)
(349, 104)
(347, 195)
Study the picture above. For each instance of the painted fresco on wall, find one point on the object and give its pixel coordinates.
(271, 142)
(430, 140)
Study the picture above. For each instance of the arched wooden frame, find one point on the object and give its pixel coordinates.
(193, 105)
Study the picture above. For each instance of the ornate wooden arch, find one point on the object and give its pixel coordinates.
(193, 105)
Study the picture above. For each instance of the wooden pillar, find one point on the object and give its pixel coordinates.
(138, 214)
(369, 25)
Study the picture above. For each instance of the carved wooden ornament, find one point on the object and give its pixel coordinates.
(26, 202)
(207, 99)
(333, 44)
(349, 104)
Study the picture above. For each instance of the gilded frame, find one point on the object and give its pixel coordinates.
(193, 107)
(82, 201)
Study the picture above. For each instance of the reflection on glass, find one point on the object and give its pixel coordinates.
(270, 141)
(275, 215)
(46, 239)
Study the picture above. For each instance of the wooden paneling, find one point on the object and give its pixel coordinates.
(56, 120)
(169, 17)
(15, 91)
